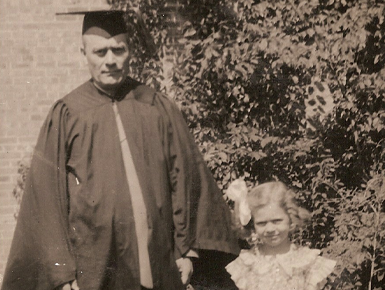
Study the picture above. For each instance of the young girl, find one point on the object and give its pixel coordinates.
(273, 262)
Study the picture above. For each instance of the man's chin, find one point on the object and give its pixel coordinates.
(111, 83)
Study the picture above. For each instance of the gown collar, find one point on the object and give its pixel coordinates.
(127, 85)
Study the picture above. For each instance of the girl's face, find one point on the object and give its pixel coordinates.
(272, 225)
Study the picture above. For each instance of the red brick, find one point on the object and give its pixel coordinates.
(4, 179)
(8, 187)
(8, 140)
(6, 235)
(10, 155)
(7, 210)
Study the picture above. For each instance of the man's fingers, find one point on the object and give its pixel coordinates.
(74, 285)
(71, 286)
(66, 287)
(185, 277)
(185, 267)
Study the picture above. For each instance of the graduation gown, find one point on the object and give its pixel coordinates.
(76, 219)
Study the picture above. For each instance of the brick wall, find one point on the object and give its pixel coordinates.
(40, 62)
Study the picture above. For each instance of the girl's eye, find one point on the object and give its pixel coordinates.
(260, 224)
(277, 221)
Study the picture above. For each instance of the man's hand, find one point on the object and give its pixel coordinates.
(185, 267)
(71, 286)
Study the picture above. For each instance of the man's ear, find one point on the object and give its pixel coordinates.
(84, 59)
(292, 227)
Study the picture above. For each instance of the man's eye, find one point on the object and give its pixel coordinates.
(100, 52)
(277, 221)
(119, 50)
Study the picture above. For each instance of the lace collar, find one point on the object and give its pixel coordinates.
(299, 258)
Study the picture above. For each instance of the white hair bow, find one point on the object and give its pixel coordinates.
(237, 191)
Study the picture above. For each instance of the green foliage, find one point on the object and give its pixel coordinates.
(358, 240)
(293, 90)
(290, 90)
(22, 171)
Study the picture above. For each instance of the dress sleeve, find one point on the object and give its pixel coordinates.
(201, 217)
(319, 271)
(239, 270)
(40, 256)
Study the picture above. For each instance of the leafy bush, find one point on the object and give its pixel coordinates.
(18, 191)
(292, 90)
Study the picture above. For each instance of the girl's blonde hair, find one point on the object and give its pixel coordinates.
(272, 192)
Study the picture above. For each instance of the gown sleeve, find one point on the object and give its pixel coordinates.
(40, 256)
(200, 214)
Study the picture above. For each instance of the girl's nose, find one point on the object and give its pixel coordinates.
(270, 228)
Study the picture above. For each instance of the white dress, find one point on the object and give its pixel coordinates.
(301, 268)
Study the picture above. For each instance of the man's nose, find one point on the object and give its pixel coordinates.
(110, 58)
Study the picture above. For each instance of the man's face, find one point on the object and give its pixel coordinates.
(107, 59)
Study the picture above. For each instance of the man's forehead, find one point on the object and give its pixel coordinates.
(96, 41)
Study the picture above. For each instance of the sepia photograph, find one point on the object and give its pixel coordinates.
(192, 144)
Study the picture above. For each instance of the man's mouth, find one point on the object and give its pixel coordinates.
(113, 72)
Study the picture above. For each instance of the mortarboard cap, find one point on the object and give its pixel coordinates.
(106, 20)
(103, 22)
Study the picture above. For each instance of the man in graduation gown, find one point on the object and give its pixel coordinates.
(118, 195)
